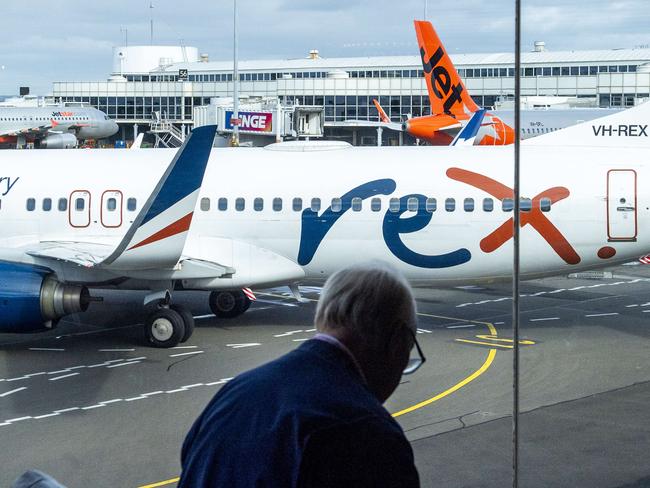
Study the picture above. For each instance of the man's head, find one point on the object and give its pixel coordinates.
(370, 308)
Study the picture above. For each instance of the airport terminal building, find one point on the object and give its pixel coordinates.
(169, 82)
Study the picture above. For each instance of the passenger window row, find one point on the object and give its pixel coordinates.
(79, 204)
(394, 204)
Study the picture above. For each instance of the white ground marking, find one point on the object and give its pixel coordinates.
(275, 302)
(92, 407)
(46, 416)
(423, 331)
(206, 316)
(18, 419)
(7, 393)
(185, 347)
(631, 306)
(123, 364)
(46, 349)
(185, 354)
(291, 332)
(460, 326)
(64, 376)
(66, 410)
(499, 323)
(542, 319)
(239, 346)
(601, 314)
(116, 350)
(307, 338)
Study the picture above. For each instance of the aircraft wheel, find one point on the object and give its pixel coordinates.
(228, 304)
(164, 328)
(188, 321)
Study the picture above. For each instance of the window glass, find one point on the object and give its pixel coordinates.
(222, 204)
(488, 204)
(545, 204)
(375, 204)
(297, 204)
(258, 204)
(79, 204)
(131, 204)
(315, 204)
(277, 204)
(450, 204)
(240, 204)
(205, 204)
(430, 205)
(468, 205)
(111, 204)
(525, 204)
(393, 205)
(47, 204)
(412, 204)
(63, 204)
(356, 204)
(337, 205)
(508, 204)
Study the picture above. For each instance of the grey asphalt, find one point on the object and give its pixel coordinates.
(91, 405)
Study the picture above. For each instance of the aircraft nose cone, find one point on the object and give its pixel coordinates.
(114, 127)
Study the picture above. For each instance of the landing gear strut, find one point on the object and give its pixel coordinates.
(229, 304)
(167, 326)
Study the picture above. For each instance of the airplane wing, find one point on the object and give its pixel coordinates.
(41, 130)
(157, 236)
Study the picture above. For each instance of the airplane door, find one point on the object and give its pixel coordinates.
(79, 208)
(111, 209)
(621, 205)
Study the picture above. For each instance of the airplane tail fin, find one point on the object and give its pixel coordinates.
(157, 236)
(447, 92)
(627, 128)
(382, 115)
(467, 135)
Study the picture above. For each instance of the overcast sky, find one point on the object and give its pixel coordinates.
(63, 40)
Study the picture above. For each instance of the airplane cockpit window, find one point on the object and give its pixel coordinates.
(545, 204)
(315, 204)
(63, 204)
(356, 204)
(375, 204)
(79, 204)
(525, 204)
(337, 205)
(431, 205)
(488, 204)
(258, 204)
(205, 204)
(240, 204)
(468, 204)
(393, 205)
(31, 204)
(222, 204)
(131, 204)
(450, 204)
(297, 204)
(277, 204)
(508, 204)
(412, 204)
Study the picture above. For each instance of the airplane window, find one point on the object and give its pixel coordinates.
(47, 204)
(131, 204)
(63, 204)
(508, 204)
(412, 204)
(525, 204)
(277, 204)
(375, 204)
(205, 204)
(356, 204)
(431, 205)
(545, 204)
(315, 204)
(222, 204)
(79, 204)
(240, 204)
(488, 204)
(336, 205)
(297, 204)
(258, 204)
(450, 204)
(393, 205)
(468, 204)
(111, 204)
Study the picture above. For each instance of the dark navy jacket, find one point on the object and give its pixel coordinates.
(303, 420)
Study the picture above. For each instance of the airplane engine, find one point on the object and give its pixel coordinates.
(59, 141)
(32, 299)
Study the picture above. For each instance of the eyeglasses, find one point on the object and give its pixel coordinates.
(414, 363)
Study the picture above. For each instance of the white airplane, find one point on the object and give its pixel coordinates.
(55, 127)
(291, 212)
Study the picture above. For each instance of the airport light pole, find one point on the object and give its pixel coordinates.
(235, 82)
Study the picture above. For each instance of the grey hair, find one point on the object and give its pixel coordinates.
(369, 299)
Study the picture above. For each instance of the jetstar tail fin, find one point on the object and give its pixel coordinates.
(447, 92)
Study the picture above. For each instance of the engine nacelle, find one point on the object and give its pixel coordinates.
(59, 141)
(32, 299)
